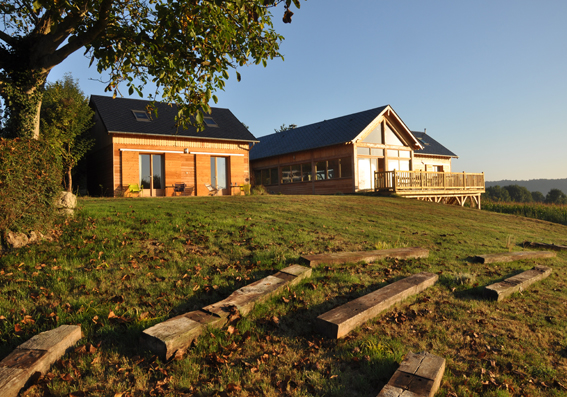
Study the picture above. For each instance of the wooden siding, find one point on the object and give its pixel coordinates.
(424, 163)
(191, 168)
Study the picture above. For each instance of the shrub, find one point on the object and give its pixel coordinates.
(259, 190)
(30, 177)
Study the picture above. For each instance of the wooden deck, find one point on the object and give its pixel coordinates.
(439, 187)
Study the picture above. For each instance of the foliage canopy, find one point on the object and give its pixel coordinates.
(184, 48)
(66, 118)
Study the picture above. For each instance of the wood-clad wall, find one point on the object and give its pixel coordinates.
(423, 163)
(191, 168)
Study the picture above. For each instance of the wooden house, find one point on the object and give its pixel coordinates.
(136, 147)
(363, 151)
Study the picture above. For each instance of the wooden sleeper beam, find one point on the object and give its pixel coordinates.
(517, 283)
(514, 256)
(341, 320)
(419, 375)
(35, 356)
(177, 333)
(365, 256)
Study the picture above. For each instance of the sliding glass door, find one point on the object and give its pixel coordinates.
(152, 174)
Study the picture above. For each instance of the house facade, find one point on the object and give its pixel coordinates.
(136, 147)
(341, 155)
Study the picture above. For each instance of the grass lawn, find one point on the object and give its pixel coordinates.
(123, 265)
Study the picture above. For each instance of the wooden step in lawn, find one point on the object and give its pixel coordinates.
(35, 357)
(519, 282)
(554, 247)
(340, 321)
(365, 256)
(419, 375)
(177, 333)
(514, 256)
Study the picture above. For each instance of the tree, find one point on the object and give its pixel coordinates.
(538, 197)
(496, 193)
(519, 194)
(284, 127)
(555, 196)
(65, 122)
(184, 47)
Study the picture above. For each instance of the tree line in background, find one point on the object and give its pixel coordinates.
(520, 194)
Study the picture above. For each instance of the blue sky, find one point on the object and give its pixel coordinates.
(488, 79)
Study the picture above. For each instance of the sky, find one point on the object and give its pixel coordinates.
(487, 79)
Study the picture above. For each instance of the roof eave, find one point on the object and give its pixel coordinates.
(183, 136)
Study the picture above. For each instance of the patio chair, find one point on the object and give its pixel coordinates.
(212, 190)
(135, 188)
(179, 188)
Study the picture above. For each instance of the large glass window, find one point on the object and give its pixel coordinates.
(266, 177)
(145, 171)
(392, 138)
(306, 172)
(219, 173)
(375, 135)
(399, 165)
(152, 172)
(296, 173)
(332, 169)
(321, 170)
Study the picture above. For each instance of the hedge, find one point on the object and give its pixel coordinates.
(30, 179)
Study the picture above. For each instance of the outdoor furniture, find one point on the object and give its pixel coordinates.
(212, 190)
(135, 188)
(178, 188)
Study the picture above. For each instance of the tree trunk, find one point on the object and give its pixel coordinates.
(24, 94)
(69, 180)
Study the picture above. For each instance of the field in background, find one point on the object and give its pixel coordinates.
(125, 264)
(546, 212)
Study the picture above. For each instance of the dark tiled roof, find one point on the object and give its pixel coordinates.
(325, 133)
(431, 146)
(117, 116)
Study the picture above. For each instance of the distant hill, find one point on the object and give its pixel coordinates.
(533, 185)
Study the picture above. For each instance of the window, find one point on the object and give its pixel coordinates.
(363, 151)
(321, 170)
(332, 169)
(392, 138)
(152, 175)
(210, 122)
(266, 177)
(399, 165)
(141, 115)
(375, 135)
(296, 173)
(219, 172)
(306, 172)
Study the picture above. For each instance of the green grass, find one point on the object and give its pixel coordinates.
(147, 260)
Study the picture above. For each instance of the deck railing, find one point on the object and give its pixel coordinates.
(424, 181)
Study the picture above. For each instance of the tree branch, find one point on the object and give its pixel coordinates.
(48, 61)
(7, 38)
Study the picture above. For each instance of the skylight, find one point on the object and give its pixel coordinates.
(210, 122)
(141, 115)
